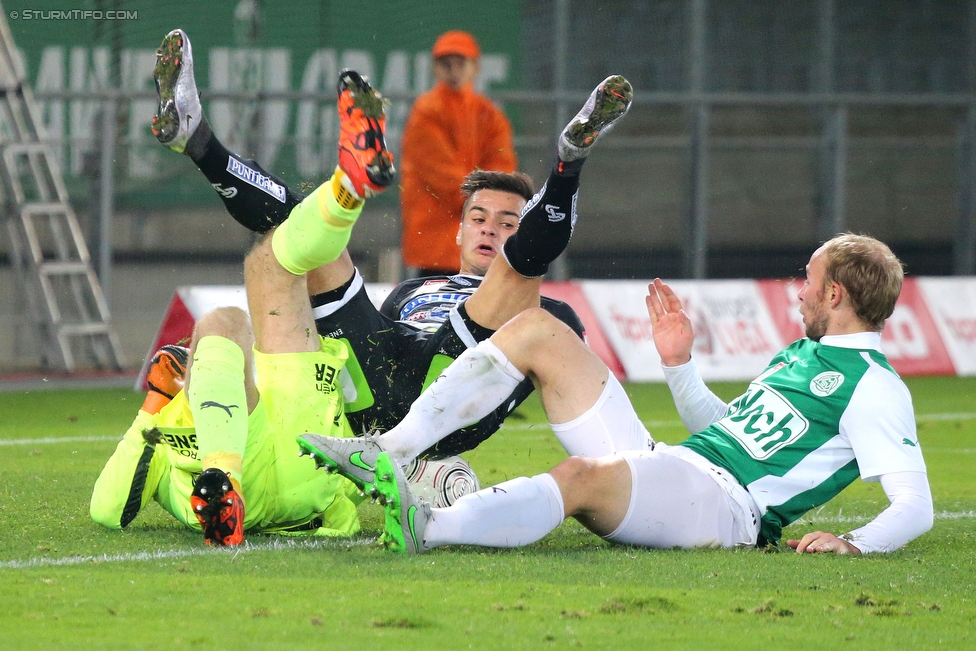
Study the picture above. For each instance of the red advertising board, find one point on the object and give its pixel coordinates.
(910, 339)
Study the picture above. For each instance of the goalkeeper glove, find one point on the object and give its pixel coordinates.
(165, 377)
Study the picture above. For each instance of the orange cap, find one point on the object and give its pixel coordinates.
(456, 42)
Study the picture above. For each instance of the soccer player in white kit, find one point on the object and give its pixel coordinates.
(829, 408)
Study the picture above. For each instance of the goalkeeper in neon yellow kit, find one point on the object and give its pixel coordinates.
(219, 453)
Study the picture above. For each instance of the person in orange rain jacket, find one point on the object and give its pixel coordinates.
(451, 131)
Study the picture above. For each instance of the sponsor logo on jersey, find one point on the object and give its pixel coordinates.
(226, 193)
(826, 383)
(255, 178)
(460, 280)
(434, 281)
(762, 421)
(554, 214)
(324, 376)
(909, 442)
(425, 299)
(184, 445)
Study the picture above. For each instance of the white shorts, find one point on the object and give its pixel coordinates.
(679, 499)
(611, 425)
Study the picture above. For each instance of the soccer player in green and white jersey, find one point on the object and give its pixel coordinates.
(829, 408)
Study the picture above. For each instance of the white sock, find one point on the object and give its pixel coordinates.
(467, 391)
(608, 427)
(514, 513)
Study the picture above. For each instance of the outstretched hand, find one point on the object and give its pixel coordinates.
(820, 542)
(673, 334)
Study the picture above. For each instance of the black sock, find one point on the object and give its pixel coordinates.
(259, 201)
(547, 222)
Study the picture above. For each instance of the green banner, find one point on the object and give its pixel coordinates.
(241, 45)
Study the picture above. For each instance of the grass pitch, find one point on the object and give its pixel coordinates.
(65, 582)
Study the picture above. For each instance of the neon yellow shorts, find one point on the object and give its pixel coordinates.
(299, 393)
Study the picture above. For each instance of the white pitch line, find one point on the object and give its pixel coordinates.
(940, 515)
(317, 543)
(60, 439)
(651, 424)
(950, 416)
(677, 423)
(276, 544)
(647, 423)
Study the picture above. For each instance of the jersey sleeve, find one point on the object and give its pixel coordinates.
(879, 423)
(130, 478)
(697, 406)
(909, 515)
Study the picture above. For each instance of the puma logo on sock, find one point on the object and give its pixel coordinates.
(227, 408)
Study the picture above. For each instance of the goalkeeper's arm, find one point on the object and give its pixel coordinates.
(130, 478)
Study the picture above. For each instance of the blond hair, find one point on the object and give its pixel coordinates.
(870, 273)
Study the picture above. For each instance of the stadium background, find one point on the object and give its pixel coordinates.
(759, 128)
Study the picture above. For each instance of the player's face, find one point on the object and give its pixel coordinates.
(813, 299)
(455, 70)
(490, 218)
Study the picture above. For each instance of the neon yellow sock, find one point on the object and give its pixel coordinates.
(218, 402)
(317, 229)
(232, 464)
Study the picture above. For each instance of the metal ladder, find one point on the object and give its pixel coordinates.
(65, 302)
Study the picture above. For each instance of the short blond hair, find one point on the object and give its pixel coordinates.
(869, 271)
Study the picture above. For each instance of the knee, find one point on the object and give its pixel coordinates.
(229, 322)
(593, 487)
(535, 325)
(575, 471)
(576, 478)
(530, 337)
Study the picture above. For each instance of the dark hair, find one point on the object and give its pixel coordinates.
(514, 183)
(869, 271)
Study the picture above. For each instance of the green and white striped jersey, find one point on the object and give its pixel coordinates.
(820, 415)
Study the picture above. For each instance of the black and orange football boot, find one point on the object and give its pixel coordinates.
(363, 156)
(219, 507)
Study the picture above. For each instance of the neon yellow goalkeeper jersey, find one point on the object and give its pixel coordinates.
(157, 460)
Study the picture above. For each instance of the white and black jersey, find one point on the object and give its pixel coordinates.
(426, 303)
(397, 351)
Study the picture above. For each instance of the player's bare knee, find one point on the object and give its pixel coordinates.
(594, 490)
(228, 322)
(534, 321)
(530, 328)
(576, 476)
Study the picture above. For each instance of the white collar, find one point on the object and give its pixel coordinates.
(860, 340)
